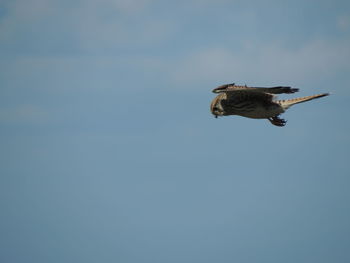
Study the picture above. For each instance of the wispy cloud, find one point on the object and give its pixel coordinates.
(23, 114)
(83, 26)
(343, 22)
(106, 40)
(315, 60)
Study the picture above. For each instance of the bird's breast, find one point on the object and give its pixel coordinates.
(261, 112)
(252, 109)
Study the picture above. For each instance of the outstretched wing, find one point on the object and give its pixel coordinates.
(239, 94)
(228, 88)
(243, 95)
(241, 102)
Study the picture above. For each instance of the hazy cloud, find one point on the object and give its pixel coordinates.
(23, 114)
(111, 37)
(266, 63)
(110, 153)
(85, 26)
(343, 23)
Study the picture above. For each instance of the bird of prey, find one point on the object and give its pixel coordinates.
(255, 102)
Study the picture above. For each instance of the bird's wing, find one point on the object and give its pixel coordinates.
(276, 90)
(239, 95)
(243, 101)
(273, 90)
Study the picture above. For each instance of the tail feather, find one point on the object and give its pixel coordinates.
(287, 103)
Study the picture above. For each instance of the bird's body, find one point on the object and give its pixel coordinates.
(254, 102)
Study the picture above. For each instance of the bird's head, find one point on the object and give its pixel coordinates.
(216, 108)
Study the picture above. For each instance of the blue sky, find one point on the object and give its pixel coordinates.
(109, 152)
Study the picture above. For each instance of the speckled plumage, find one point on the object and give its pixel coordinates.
(255, 102)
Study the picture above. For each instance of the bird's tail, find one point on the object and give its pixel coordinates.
(287, 103)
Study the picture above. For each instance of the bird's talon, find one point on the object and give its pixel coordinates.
(277, 121)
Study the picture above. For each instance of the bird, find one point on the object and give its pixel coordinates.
(255, 102)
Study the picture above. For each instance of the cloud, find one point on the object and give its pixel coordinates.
(343, 23)
(125, 6)
(23, 114)
(81, 41)
(20, 15)
(311, 64)
(266, 63)
(83, 26)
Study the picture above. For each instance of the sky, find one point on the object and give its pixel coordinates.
(109, 152)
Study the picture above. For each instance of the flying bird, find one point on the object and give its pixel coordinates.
(255, 102)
